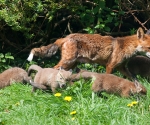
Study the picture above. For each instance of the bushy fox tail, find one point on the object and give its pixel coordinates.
(44, 51)
(33, 67)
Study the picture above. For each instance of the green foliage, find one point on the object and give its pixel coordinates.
(5, 61)
(28, 64)
(132, 31)
(92, 67)
(25, 15)
(33, 23)
(100, 17)
(19, 15)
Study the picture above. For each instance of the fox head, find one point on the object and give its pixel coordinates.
(140, 89)
(144, 42)
(62, 77)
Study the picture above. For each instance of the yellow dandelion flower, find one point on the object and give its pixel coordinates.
(130, 105)
(73, 118)
(134, 102)
(68, 98)
(73, 113)
(17, 104)
(57, 94)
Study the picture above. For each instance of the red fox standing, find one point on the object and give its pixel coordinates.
(94, 48)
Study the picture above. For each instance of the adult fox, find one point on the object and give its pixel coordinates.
(94, 48)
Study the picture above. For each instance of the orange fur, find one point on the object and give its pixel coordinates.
(94, 48)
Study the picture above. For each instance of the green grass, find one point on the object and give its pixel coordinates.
(18, 106)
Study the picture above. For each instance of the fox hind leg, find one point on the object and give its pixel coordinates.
(39, 86)
(65, 65)
(68, 56)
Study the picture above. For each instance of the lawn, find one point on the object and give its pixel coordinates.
(18, 106)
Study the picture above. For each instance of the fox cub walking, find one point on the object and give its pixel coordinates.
(13, 75)
(111, 84)
(46, 78)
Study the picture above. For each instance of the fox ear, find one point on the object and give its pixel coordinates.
(140, 33)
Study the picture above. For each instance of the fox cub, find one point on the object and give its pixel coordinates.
(111, 84)
(139, 65)
(46, 78)
(11, 75)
